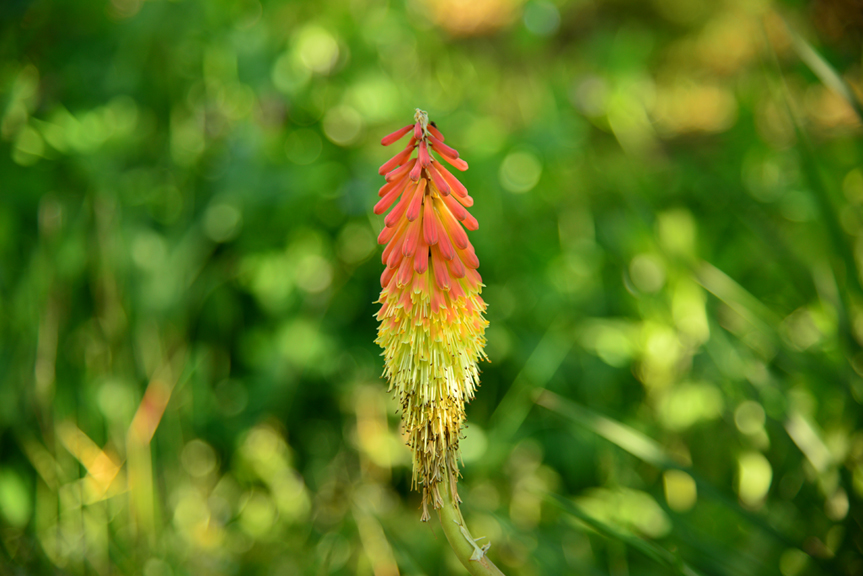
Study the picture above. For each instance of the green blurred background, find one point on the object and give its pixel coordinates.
(670, 202)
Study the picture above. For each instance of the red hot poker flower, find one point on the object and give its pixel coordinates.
(432, 327)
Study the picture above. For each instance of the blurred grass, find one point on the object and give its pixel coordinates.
(670, 198)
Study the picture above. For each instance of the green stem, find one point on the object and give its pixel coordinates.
(463, 544)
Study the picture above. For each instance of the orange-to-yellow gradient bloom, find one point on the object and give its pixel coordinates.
(432, 327)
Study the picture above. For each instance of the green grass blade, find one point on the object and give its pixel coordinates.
(646, 449)
(543, 362)
(649, 549)
(812, 175)
(824, 70)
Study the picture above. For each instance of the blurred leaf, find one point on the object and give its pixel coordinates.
(649, 549)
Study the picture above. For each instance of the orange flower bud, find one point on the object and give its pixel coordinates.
(397, 135)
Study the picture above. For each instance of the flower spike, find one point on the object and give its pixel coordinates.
(432, 328)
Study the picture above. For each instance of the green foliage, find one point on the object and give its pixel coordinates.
(670, 202)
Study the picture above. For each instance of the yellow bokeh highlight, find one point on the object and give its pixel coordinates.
(754, 476)
(681, 492)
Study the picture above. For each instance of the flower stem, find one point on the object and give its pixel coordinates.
(463, 544)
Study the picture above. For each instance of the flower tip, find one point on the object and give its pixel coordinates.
(441, 272)
(429, 224)
(412, 240)
(442, 148)
(421, 260)
(404, 277)
(400, 171)
(415, 171)
(397, 160)
(415, 206)
(387, 276)
(424, 157)
(471, 223)
(435, 132)
(439, 181)
(396, 136)
(456, 269)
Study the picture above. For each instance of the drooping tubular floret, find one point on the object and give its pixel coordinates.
(432, 327)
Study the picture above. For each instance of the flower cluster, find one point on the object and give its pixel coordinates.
(432, 327)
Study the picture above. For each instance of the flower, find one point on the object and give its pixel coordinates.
(432, 327)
